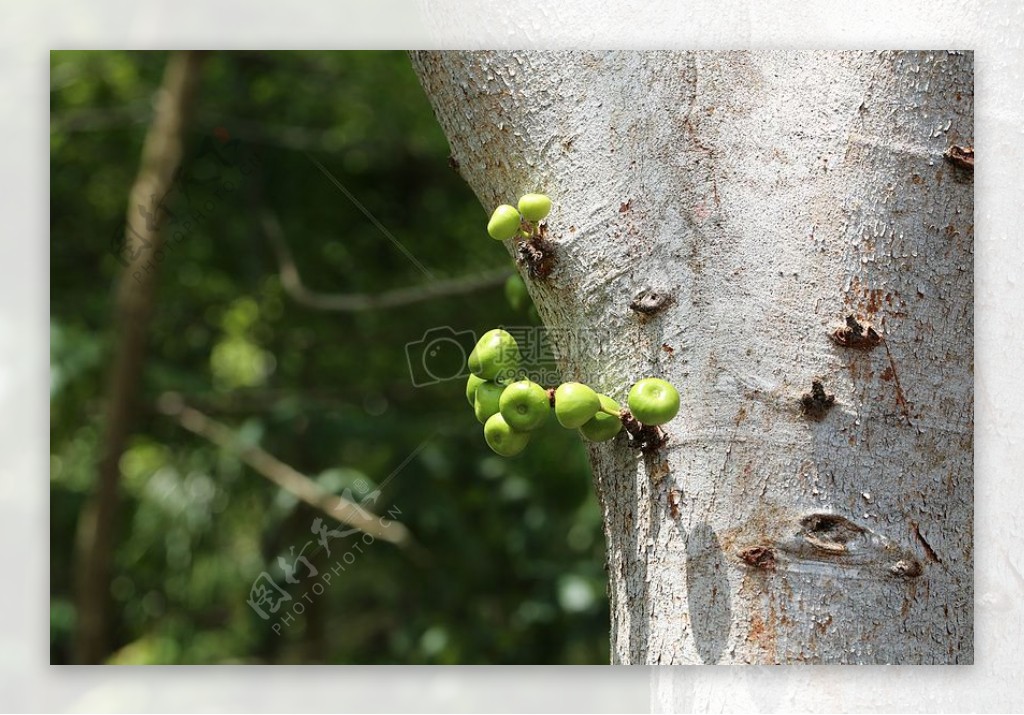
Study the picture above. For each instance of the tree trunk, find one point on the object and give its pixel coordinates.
(769, 197)
(141, 253)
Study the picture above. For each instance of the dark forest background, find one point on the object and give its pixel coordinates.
(509, 562)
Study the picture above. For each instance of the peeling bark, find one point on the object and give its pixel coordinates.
(779, 204)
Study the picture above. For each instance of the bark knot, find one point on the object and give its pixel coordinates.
(650, 301)
(857, 335)
(960, 156)
(906, 568)
(830, 532)
(816, 403)
(761, 557)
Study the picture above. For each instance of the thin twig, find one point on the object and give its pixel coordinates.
(285, 476)
(291, 281)
(401, 247)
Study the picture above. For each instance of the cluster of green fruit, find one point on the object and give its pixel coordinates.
(507, 221)
(511, 410)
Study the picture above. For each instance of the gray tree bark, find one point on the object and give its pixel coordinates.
(787, 204)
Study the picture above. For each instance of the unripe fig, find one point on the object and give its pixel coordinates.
(486, 400)
(603, 426)
(471, 385)
(503, 439)
(575, 404)
(524, 405)
(534, 207)
(515, 292)
(496, 354)
(504, 223)
(653, 401)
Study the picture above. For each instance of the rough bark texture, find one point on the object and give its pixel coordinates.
(771, 195)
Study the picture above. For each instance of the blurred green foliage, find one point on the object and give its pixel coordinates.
(515, 572)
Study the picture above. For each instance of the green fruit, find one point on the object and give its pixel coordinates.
(524, 405)
(515, 292)
(504, 223)
(486, 400)
(575, 404)
(496, 354)
(471, 385)
(603, 426)
(534, 207)
(503, 439)
(653, 401)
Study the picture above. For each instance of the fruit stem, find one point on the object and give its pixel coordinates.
(647, 438)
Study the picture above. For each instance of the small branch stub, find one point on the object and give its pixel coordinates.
(816, 403)
(961, 156)
(650, 301)
(856, 335)
(646, 438)
(906, 568)
(759, 557)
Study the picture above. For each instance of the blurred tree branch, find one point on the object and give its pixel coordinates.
(94, 540)
(291, 281)
(284, 476)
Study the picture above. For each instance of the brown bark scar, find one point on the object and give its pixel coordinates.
(901, 398)
(961, 156)
(907, 568)
(761, 557)
(928, 550)
(673, 502)
(816, 403)
(657, 468)
(855, 334)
